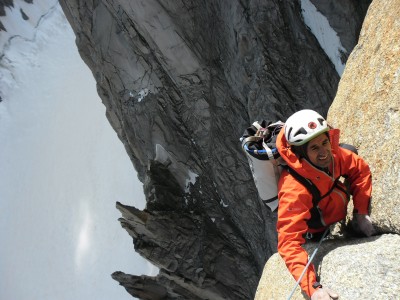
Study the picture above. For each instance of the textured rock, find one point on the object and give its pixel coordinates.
(276, 281)
(367, 106)
(356, 269)
(181, 80)
(182, 243)
(346, 18)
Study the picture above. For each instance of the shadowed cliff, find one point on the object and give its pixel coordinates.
(180, 81)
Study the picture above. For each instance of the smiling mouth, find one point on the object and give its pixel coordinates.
(323, 157)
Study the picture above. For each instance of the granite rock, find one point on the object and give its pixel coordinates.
(367, 108)
(362, 268)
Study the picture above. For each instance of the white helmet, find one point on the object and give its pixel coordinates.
(303, 126)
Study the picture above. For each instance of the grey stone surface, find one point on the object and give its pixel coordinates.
(181, 80)
(345, 17)
(364, 268)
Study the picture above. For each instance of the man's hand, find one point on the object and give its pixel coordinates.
(364, 223)
(324, 294)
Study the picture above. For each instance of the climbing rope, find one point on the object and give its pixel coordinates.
(309, 262)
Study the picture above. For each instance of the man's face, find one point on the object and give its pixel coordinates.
(319, 151)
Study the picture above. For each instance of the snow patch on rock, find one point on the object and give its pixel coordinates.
(183, 174)
(325, 34)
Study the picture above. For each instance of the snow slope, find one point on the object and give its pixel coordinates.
(325, 34)
(62, 168)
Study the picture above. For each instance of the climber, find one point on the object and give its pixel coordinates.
(311, 149)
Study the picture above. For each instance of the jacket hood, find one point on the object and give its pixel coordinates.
(303, 166)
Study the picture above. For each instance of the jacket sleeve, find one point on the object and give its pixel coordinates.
(359, 176)
(293, 212)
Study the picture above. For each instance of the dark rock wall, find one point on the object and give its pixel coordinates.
(4, 4)
(346, 18)
(181, 80)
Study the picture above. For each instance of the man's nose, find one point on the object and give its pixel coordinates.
(322, 151)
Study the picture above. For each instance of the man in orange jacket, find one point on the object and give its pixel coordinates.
(311, 148)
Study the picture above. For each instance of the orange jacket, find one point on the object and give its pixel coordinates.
(295, 201)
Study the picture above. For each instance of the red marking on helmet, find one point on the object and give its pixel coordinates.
(312, 125)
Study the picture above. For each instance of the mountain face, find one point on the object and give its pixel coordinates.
(181, 80)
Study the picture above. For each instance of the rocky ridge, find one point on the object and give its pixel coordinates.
(180, 81)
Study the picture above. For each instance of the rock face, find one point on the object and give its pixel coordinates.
(181, 80)
(356, 269)
(366, 108)
(345, 18)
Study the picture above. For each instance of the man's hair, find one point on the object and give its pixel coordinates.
(300, 151)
